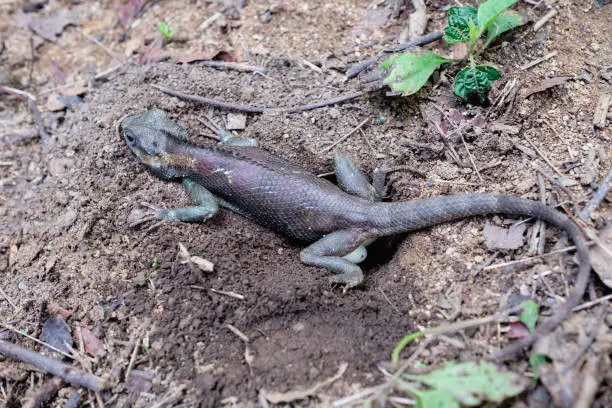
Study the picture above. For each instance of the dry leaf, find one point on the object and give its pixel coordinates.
(545, 84)
(51, 26)
(502, 238)
(601, 256)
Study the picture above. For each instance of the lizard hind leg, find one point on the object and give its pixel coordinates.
(338, 252)
(352, 180)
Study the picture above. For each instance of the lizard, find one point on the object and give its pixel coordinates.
(335, 221)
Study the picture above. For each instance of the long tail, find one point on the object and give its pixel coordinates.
(395, 218)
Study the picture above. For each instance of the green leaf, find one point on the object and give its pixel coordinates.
(410, 70)
(504, 22)
(474, 382)
(489, 10)
(475, 82)
(403, 343)
(529, 314)
(434, 399)
(458, 28)
(165, 29)
(535, 361)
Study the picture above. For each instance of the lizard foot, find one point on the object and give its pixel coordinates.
(349, 279)
(140, 216)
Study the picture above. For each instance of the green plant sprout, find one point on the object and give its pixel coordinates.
(409, 71)
(166, 31)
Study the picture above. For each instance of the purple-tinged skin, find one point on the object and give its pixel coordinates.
(337, 221)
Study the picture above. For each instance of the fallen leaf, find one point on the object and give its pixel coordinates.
(55, 309)
(502, 238)
(601, 256)
(219, 56)
(129, 10)
(545, 84)
(58, 73)
(93, 346)
(517, 331)
(51, 26)
(57, 333)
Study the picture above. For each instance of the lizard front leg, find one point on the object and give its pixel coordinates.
(206, 207)
(337, 252)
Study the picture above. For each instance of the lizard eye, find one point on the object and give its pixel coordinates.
(129, 136)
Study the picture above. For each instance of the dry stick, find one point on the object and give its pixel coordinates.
(453, 152)
(236, 66)
(552, 166)
(8, 299)
(599, 195)
(14, 330)
(592, 303)
(343, 138)
(426, 39)
(540, 23)
(133, 358)
(255, 109)
(69, 373)
(569, 149)
(538, 61)
(471, 158)
(590, 339)
(532, 258)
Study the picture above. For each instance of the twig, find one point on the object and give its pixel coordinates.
(393, 306)
(552, 166)
(452, 151)
(69, 373)
(42, 132)
(8, 299)
(590, 339)
(540, 23)
(532, 258)
(229, 294)
(564, 140)
(238, 333)
(236, 66)
(592, 303)
(343, 138)
(599, 195)
(18, 92)
(99, 44)
(82, 82)
(173, 396)
(538, 61)
(255, 109)
(471, 158)
(34, 339)
(418, 42)
(133, 358)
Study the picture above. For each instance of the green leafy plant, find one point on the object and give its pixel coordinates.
(155, 263)
(166, 31)
(529, 314)
(406, 73)
(469, 384)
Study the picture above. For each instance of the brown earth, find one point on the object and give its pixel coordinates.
(64, 238)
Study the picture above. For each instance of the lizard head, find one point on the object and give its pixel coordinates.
(156, 141)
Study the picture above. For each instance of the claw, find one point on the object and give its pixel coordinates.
(139, 216)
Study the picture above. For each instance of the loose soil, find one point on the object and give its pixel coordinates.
(64, 238)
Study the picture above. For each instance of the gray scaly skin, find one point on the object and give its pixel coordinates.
(337, 221)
